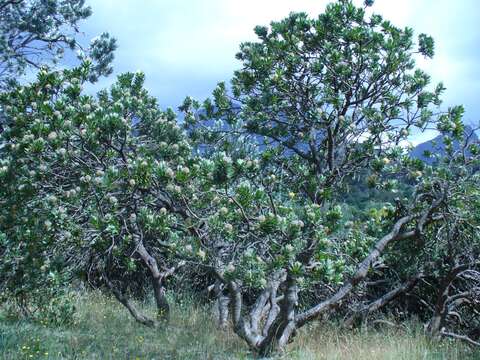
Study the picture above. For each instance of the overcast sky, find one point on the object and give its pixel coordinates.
(186, 46)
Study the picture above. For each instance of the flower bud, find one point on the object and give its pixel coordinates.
(289, 248)
(201, 254)
(230, 268)
(52, 136)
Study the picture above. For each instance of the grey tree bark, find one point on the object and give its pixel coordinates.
(272, 321)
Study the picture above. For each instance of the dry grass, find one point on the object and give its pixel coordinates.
(103, 330)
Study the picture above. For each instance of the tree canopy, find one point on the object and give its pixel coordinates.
(37, 32)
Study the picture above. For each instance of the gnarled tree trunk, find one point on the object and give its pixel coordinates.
(361, 315)
(272, 321)
(280, 332)
(163, 309)
(446, 304)
(222, 302)
(137, 315)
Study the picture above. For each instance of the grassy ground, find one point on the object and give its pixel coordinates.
(103, 330)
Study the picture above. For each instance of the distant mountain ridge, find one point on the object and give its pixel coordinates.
(436, 146)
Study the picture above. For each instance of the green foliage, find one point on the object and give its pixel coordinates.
(292, 182)
(302, 96)
(299, 109)
(37, 32)
(84, 178)
(321, 106)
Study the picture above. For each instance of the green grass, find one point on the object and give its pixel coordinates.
(103, 330)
